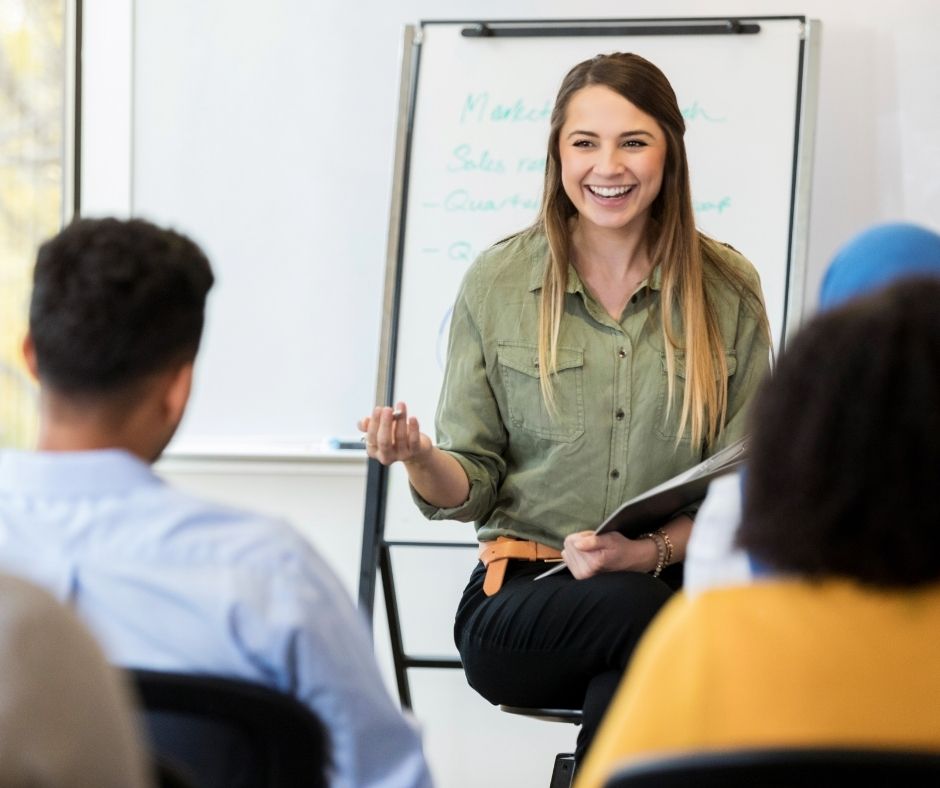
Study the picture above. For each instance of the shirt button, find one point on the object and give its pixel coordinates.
(615, 474)
(620, 414)
(622, 353)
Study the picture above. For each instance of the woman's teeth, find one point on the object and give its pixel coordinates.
(609, 191)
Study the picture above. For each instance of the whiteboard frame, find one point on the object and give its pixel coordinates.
(808, 93)
(806, 116)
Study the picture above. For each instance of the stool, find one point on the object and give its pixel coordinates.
(563, 770)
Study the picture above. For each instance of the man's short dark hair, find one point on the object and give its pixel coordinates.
(113, 301)
(845, 447)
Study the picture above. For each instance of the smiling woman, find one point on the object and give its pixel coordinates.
(606, 348)
(32, 108)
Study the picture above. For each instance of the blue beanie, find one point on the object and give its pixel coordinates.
(877, 257)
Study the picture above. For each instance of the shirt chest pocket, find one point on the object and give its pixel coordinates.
(667, 426)
(518, 365)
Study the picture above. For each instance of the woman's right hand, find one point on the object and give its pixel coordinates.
(390, 435)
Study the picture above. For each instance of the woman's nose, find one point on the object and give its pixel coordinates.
(609, 161)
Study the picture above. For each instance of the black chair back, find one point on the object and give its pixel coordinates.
(784, 768)
(212, 732)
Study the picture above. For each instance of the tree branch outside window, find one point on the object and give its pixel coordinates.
(32, 161)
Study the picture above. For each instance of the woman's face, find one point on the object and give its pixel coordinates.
(612, 159)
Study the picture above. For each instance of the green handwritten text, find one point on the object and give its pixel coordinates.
(480, 108)
(712, 206)
(530, 165)
(463, 200)
(464, 159)
(696, 112)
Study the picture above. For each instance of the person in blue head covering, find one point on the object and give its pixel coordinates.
(877, 257)
(874, 258)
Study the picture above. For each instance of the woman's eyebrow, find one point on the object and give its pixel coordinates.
(631, 133)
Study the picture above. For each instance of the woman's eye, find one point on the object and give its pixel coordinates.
(634, 144)
(583, 143)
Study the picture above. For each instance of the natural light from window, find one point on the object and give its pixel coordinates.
(32, 176)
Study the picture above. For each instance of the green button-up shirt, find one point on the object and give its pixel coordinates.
(537, 476)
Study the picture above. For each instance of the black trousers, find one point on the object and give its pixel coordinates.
(556, 642)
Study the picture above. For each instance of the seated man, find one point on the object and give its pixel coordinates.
(66, 718)
(169, 582)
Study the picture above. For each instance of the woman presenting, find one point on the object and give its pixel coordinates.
(601, 351)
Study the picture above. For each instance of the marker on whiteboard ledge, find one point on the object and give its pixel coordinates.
(344, 444)
(353, 444)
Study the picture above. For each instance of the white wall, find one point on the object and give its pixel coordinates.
(877, 158)
(266, 131)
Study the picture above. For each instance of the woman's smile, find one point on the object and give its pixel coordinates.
(611, 196)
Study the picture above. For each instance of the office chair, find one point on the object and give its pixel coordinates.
(563, 770)
(212, 732)
(783, 768)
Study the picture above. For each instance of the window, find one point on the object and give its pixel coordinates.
(35, 137)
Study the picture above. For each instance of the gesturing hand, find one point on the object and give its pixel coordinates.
(390, 435)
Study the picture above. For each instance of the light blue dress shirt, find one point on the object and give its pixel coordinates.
(170, 582)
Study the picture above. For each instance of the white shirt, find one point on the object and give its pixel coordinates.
(711, 559)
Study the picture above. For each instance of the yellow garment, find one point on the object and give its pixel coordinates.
(778, 663)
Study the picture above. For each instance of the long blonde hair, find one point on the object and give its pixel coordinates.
(674, 244)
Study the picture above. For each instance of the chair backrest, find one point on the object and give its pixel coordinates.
(228, 733)
(783, 768)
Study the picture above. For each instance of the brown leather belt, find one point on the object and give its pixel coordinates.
(495, 556)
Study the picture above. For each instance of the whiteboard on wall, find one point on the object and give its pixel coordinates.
(256, 130)
(474, 155)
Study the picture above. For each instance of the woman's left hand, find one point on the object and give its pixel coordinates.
(587, 554)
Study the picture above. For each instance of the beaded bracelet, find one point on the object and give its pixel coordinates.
(661, 550)
(668, 542)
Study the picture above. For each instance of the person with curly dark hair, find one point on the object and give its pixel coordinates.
(836, 642)
(845, 450)
(113, 303)
(167, 581)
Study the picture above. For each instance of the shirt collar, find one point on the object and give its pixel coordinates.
(655, 280)
(73, 472)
